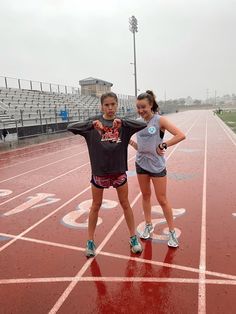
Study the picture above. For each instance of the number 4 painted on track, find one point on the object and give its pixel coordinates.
(33, 203)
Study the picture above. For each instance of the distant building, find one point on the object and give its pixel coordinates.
(188, 101)
(94, 87)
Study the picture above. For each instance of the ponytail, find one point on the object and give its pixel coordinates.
(155, 107)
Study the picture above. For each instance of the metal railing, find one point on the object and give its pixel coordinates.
(12, 82)
(22, 123)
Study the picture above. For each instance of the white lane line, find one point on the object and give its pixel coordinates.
(54, 244)
(41, 156)
(124, 257)
(71, 286)
(66, 139)
(52, 213)
(42, 220)
(174, 266)
(46, 182)
(40, 146)
(10, 242)
(177, 145)
(41, 167)
(227, 130)
(202, 262)
(116, 279)
(151, 279)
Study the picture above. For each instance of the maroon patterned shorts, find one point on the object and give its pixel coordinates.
(104, 182)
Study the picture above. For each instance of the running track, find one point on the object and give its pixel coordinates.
(44, 200)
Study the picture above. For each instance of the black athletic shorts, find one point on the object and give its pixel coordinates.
(140, 170)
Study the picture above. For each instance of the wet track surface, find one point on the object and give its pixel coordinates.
(44, 201)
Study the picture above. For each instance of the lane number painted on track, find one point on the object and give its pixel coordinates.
(5, 192)
(70, 220)
(33, 202)
(160, 221)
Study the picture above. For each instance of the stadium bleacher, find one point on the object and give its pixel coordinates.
(24, 107)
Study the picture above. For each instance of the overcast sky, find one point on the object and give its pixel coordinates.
(184, 47)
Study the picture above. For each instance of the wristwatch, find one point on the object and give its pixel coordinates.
(162, 146)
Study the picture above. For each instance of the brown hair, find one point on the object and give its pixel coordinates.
(109, 94)
(149, 95)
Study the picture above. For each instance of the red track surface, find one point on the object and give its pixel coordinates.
(44, 200)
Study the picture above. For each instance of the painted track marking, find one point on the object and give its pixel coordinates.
(114, 278)
(38, 157)
(124, 257)
(46, 182)
(202, 263)
(71, 286)
(41, 167)
(117, 279)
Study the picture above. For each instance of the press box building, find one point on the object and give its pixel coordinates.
(94, 87)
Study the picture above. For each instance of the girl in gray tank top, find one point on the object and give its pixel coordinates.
(150, 162)
(148, 140)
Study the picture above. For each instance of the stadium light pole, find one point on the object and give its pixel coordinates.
(133, 27)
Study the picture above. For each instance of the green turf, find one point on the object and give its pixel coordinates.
(229, 118)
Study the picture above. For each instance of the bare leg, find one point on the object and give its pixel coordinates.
(97, 195)
(122, 192)
(145, 187)
(159, 184)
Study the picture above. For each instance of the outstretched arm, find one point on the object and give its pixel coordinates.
(81, 128)
(133, 126)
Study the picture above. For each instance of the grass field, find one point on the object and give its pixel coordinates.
(229, 118)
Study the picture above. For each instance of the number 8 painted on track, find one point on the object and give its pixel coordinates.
(69, 220)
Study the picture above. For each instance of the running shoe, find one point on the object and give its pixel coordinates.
(148, 229)
(173, 241)
(135, 245)
(90, 248)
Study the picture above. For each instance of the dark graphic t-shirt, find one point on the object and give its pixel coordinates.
(107, 148)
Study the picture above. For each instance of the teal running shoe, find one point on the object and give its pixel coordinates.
(90, 248)
(135, 245)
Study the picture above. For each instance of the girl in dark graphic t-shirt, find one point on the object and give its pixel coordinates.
(107, 139)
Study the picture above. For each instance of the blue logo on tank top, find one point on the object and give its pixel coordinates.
(152, 130)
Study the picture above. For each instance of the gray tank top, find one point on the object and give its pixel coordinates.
(148, 139)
